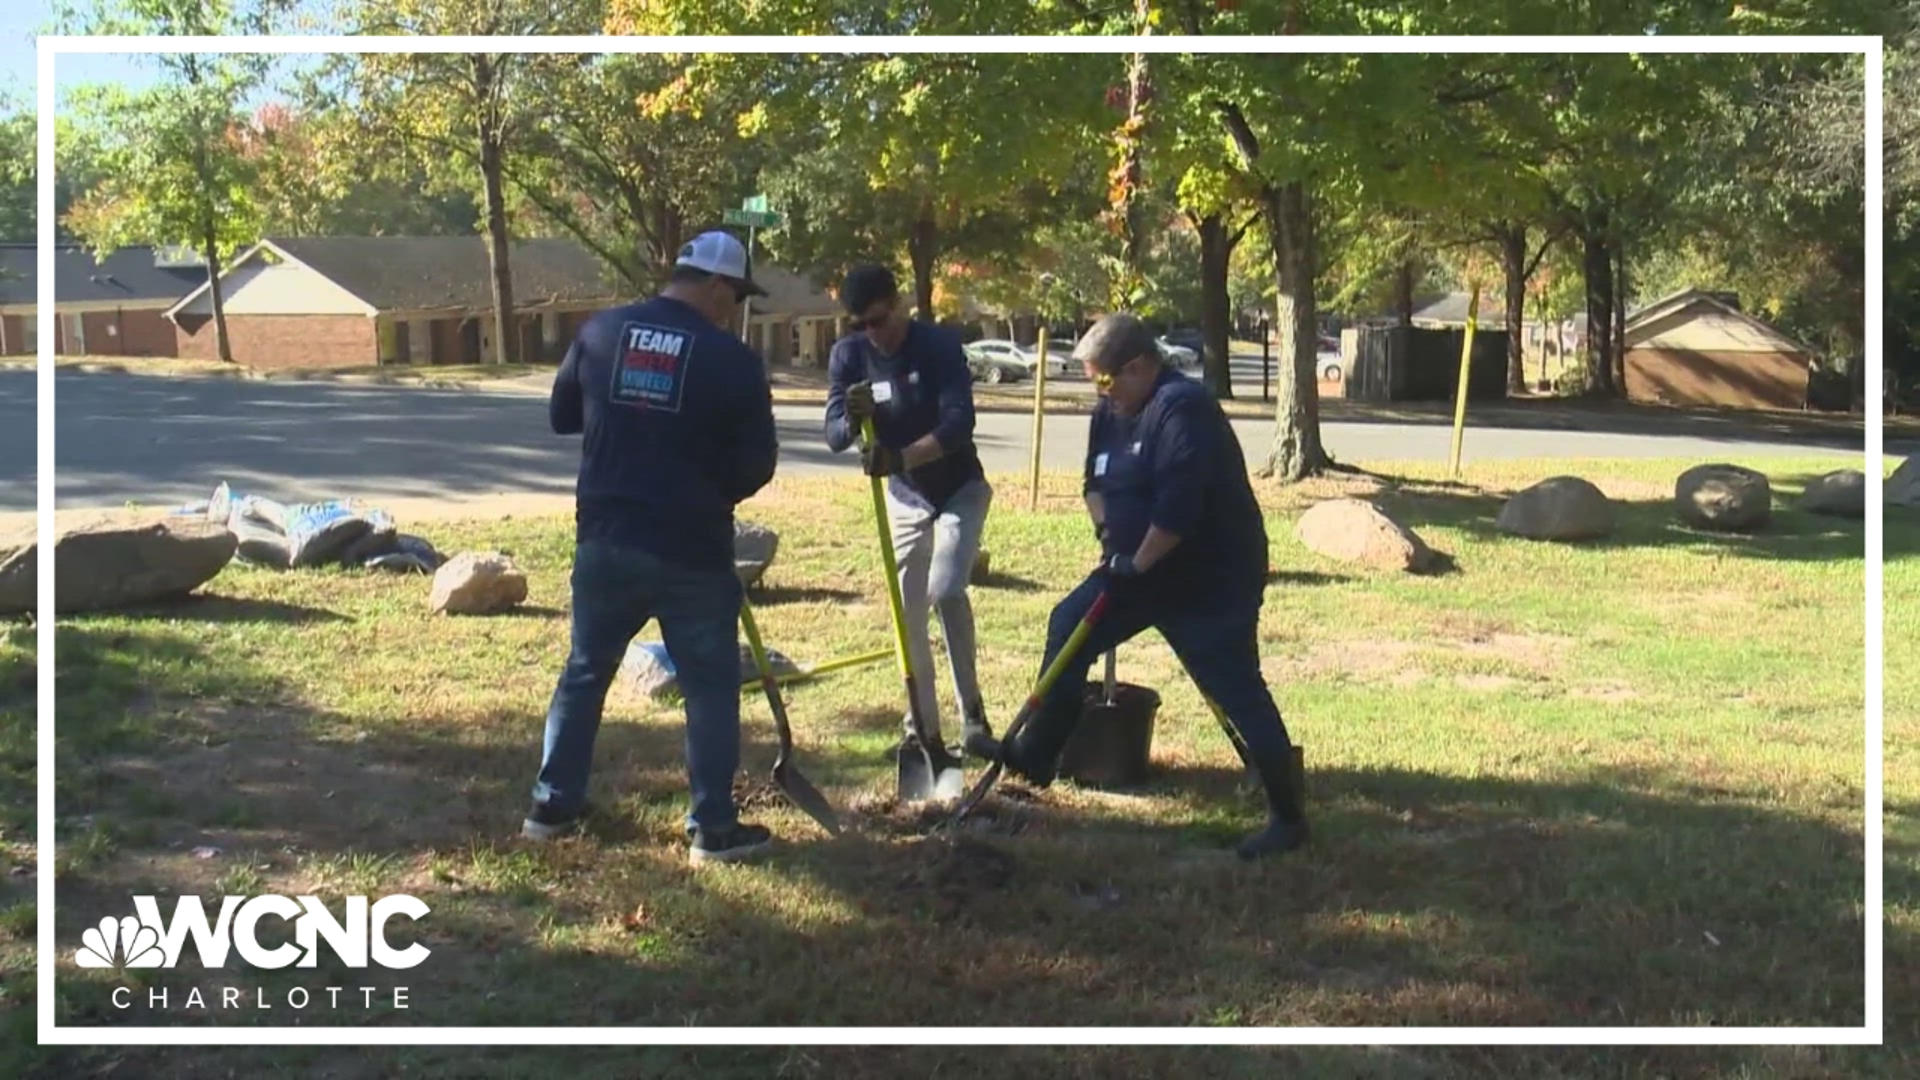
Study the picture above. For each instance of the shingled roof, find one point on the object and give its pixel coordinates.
(425, 273)
(129, 275)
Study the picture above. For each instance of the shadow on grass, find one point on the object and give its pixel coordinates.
(762, 596)
(1011, 583)
(214, 608)
(1306, 577)
(1604, 898)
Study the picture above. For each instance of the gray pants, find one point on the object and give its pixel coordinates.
(936, 554)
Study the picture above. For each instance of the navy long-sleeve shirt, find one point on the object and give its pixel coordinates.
(1177, 464)
(930, 390)
(677, 419)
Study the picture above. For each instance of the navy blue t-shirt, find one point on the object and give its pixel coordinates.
(1177, 464)
(931, 392)
(677, 415)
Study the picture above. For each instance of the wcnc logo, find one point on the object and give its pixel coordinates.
(145, 940)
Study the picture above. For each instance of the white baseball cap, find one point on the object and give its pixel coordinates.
(721, 253)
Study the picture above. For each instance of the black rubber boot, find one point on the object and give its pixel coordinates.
(1286, 829)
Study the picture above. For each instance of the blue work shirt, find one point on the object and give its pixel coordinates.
(1177, 464)
(677, 415)
(931, 392)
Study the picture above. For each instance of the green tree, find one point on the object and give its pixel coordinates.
(18, 193)
(170, 168)
(465, 112)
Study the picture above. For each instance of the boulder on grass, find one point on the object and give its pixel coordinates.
(1842, 493)
(754, 547)
(1723, 498)
(1355, 531)
(1558, 508)
(1903, 487)
(111, 562)
(477, 583)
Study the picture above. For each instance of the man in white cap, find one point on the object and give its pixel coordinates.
(677, 416)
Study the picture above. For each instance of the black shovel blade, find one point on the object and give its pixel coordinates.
(801, 792)
(925, 774)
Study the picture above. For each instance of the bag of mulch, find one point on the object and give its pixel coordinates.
(317, 533)
(382, 538)
(260, 544)
(409, 555)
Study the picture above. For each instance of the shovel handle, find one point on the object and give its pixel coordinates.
(767, 681)
(895, 602)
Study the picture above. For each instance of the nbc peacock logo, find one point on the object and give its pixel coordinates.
(120, 944)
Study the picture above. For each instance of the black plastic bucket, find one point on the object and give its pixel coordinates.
(1112, 745)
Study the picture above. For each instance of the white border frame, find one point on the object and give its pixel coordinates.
(1870, 48)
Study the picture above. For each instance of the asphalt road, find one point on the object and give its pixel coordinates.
(159, 441)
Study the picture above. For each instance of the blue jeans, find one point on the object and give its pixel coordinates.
(616, 592)
(1215, 636)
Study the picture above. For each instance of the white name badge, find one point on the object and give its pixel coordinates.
(1100, 465)
(882, 392)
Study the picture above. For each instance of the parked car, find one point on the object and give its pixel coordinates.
(1187, 337)
(1329, 363)
(995, 368)
(1179, 356)
(1002, 349)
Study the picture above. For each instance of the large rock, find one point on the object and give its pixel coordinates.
(113, 561)
(1903, 487)
(477, 583)
(650, 670)
(1354, 531)
(1837, 494)
(1558, 508)
(754, 547)
(1724, 498)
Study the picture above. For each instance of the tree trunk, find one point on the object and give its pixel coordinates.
(923, 246)
(1296, 452)
(1513, 264)
(1619, 316)
(506, 343)
(1598, 266)
(222, 344)
(1215, 253)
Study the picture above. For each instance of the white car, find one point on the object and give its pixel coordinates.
(1181, 357)
(1002, 349)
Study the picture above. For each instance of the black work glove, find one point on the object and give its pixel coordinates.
(860, 400)
(878, 460)
(1120, 566)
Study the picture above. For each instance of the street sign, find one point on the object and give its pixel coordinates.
(757, 204)
(757, 219)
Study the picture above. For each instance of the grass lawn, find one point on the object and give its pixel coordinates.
(1609, 784)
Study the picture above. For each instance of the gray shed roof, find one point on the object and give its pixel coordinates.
(129, 275)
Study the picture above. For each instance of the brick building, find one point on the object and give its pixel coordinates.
(339, 302)
(113, 306)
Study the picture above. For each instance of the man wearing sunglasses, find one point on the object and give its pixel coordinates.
(1184, 552)
(912, 379)
(677, 416)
